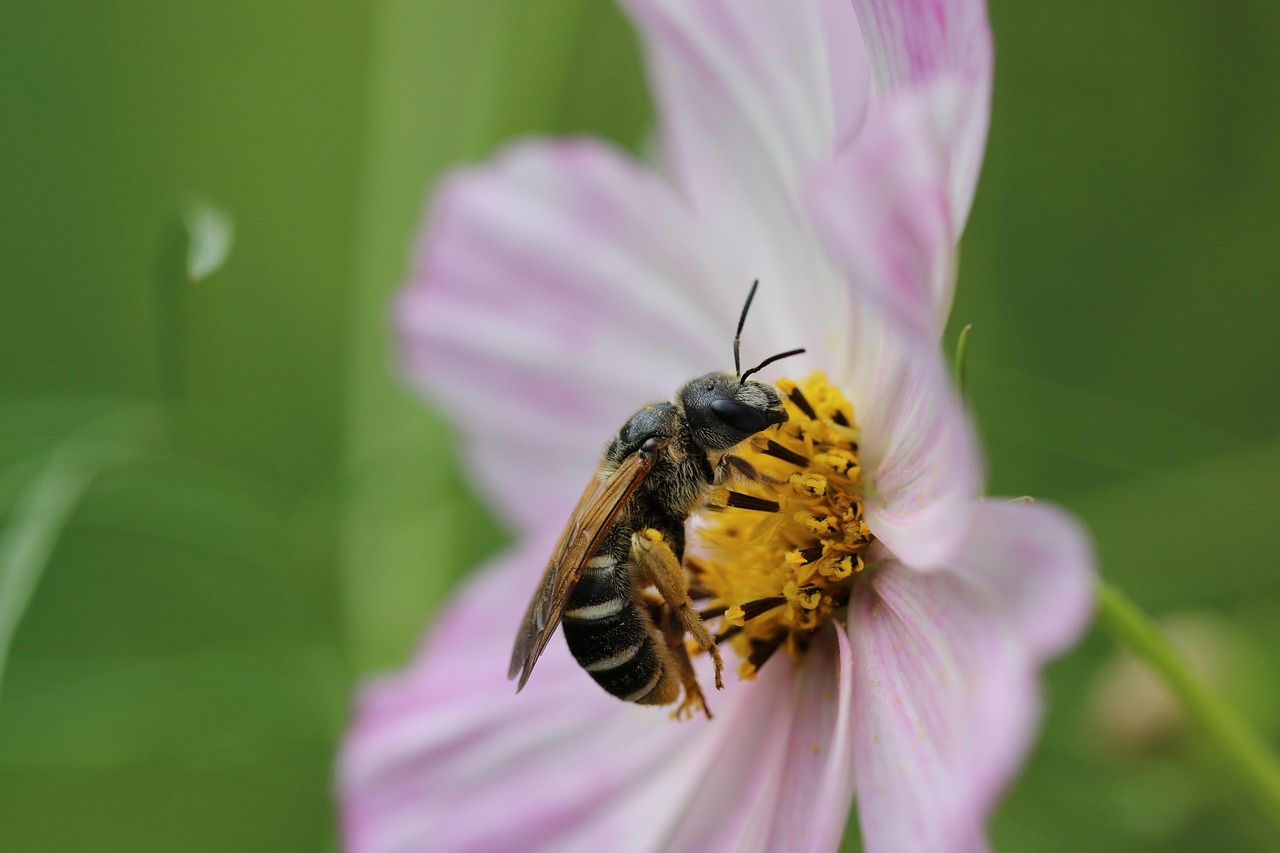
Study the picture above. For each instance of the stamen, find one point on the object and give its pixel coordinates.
(810, 554)
(728, 497)
(740, 614)
(761, 651)
(802, 403)
(777, 451)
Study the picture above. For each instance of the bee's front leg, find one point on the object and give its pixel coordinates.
(658, 565)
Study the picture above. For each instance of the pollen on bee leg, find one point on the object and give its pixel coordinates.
(781, 575)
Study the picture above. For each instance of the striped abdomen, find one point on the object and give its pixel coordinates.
(610, 635)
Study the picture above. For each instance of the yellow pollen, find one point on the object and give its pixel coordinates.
(783, 553)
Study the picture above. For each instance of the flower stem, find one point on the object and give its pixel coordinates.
(1246, 754)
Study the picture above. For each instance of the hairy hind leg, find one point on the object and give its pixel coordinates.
(657, 564)
(677, 669)
(694, 701)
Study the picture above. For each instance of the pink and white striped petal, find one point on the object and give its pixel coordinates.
(782, 775)
(915, 44)
(881, 206)
(747, 94)
(817, 783)
(945, 701)
(558, 290)
(747, 101)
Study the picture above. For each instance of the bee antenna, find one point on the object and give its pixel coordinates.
(770, 360)
(737, 365)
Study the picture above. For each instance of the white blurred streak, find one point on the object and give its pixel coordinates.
(43, 507)
(210, 233)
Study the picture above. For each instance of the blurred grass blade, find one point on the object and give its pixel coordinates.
(42, 510)
(210, 233)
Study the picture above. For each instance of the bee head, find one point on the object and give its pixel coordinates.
(724, 410)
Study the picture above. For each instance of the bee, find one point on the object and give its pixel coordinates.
(628, 534)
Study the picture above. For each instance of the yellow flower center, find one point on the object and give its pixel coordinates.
(781, 552)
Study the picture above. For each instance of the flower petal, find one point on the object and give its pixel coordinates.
(848, 66)
(1035, 563)
(781, 778)
(945, 702)
(817, 784)
(918, 452)
(917, 43)
(557, 291)
(747, 105)
(881, 207)
(437, 752)
(734, 803)
(747, 95)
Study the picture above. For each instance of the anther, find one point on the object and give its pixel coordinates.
(802, 403)
(814, 485)
(739, 614)
(810, 554)
(820, 525)
(739, 500)
(762, 650)
(777, 451)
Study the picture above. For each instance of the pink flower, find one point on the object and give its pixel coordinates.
(830, 150)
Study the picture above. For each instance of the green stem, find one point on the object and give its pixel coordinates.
(1245, 753)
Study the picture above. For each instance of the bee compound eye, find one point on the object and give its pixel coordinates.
(740, 416)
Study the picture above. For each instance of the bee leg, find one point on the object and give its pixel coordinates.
(736, 466)
(658, 565)
(694, 701)
(741, 467)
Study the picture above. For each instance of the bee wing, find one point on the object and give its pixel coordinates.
(599, 506)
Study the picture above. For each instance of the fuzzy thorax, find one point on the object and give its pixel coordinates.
(780, 555)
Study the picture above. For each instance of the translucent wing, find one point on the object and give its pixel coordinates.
(591, 520)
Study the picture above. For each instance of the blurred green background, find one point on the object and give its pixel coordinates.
(233, 509)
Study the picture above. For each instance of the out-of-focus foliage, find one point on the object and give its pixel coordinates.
(226, 509)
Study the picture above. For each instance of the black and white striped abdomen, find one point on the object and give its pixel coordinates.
(610, 635)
